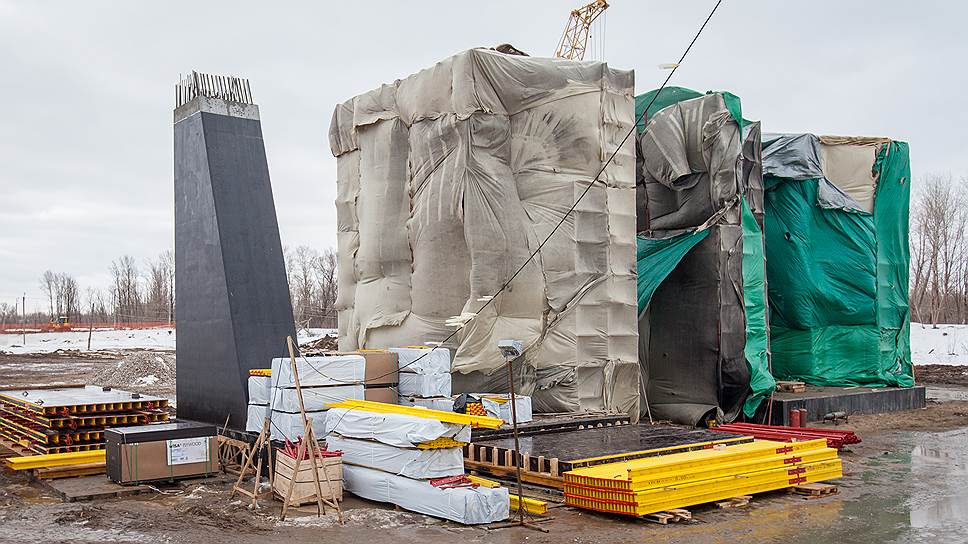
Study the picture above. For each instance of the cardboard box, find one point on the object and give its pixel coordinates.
(381, 394)
(381, 366)
(168, 451)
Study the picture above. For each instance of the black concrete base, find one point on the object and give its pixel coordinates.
(820, 401)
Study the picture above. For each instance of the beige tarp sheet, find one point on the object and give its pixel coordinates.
(449, 179)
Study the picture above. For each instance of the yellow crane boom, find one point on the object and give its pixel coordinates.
(574, 40)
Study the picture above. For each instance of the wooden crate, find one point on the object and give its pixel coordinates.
(304, 491)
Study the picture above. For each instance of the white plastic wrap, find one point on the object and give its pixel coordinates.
(318, 371)
(445, 404)
(502, 410)
(287, 426)
(417, 360)
(448, 179)
(255, 415)
(468, 505)
(259, 389)
(409, 462)
(315, 399)
(398, 430)
(424, 385)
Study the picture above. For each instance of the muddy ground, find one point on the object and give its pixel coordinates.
(906, 482)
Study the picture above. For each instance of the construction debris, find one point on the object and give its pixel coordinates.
(153, 369)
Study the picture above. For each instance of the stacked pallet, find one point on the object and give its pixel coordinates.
(72, 418)
(656, 484)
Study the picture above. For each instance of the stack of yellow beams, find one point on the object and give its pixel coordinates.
(655, 484)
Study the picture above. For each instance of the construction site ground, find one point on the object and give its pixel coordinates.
(907, 482)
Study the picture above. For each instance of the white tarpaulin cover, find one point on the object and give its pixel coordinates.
(314, 371)
(259, 389)
(502, 410)
(409, 462)
(287, 426)
(449, 179)
(415, 360)
(255, 416)
(398, 430)
(468, 505)
(424, 385)
(445, 404)
(315, 399)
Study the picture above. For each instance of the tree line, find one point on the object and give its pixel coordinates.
(146, 292)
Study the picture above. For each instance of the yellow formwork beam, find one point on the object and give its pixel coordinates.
(660, 499)
(425, 413)
(55, 460)
(714, 469)
(531, 506)
(483, 482)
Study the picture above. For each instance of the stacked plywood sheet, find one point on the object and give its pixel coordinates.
(72, 418)
(655, 484)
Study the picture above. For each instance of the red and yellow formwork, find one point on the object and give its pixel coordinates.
(645, 486)
(72, 418)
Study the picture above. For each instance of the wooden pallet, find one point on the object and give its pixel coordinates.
(500, 462)
(815, 490)
(669, 516)
(791, 386)
(735, 502)
(70, 471)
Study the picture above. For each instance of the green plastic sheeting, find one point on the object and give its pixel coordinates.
(754, 296)
(838, 281)
(668, 97)
(658, 257)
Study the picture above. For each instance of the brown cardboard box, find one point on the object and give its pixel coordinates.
(381, 394)
(148, 461)
(381, 366)
(156, 452)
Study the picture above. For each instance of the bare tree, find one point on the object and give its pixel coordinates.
(48, 283)
(126, 290)
(939, 253)
(160, 297)
(312, 286)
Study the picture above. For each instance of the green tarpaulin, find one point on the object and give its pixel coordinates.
(658, 257)
(838, 280)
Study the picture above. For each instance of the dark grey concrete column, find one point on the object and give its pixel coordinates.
(233, 311)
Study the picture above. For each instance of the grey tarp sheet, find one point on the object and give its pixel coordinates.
(694, 165)
(450, 178)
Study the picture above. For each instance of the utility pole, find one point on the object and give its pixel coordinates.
(23, 318)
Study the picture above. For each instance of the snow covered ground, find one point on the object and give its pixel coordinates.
(945, 345)
(155, 339)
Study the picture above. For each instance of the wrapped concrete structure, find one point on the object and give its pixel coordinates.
(702, 294)
(449, 179)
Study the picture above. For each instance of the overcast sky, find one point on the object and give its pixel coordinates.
(87, 94)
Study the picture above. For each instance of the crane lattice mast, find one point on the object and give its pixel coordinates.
(574, 40)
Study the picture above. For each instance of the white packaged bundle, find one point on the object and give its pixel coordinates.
(255, 415)
(468, 505)
(419, 360)
(424, 385)
(400, 430)
(318, 371)
(259, 389)
(409, 462)
(315, 399)
(444, 404)
(286, 426)
(499, 406)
